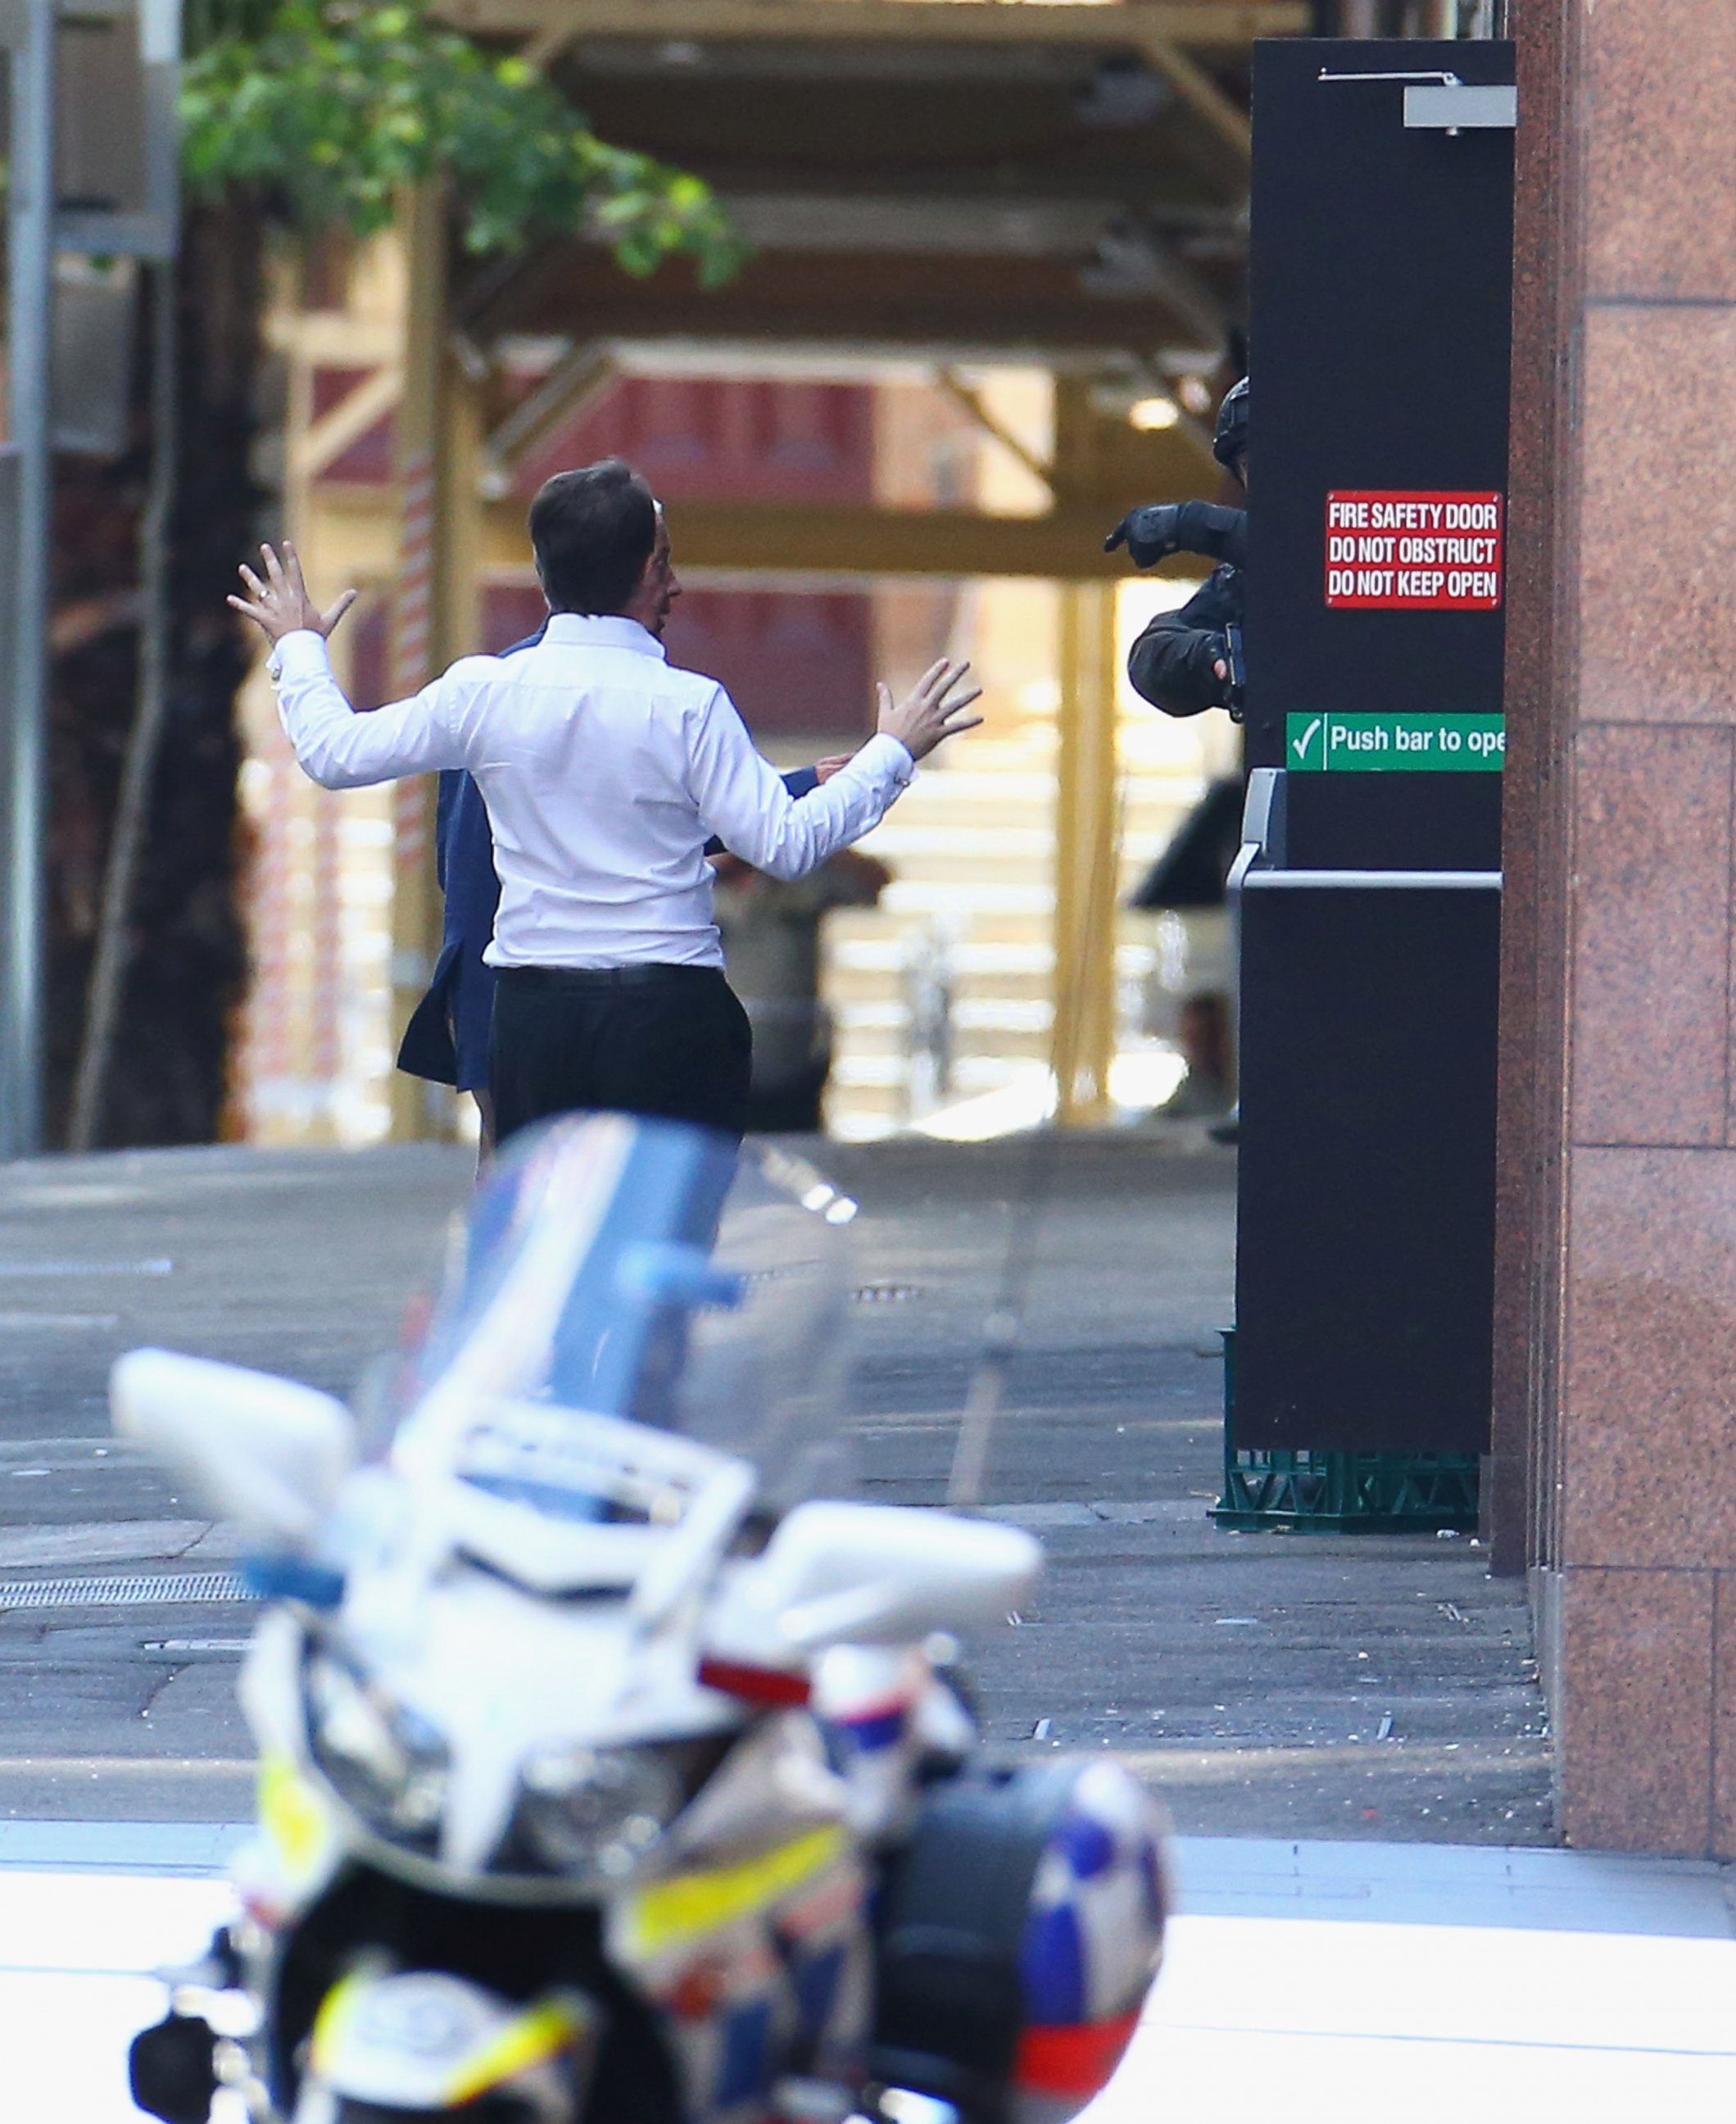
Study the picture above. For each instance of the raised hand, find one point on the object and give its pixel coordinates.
(280, 605)
(930, 711)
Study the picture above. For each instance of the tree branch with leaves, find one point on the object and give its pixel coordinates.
(300, 118)
(325, 113)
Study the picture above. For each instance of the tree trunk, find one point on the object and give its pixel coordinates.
(187, 966)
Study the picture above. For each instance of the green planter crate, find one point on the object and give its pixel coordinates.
(1301, 1493)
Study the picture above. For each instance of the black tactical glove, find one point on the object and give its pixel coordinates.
(1152, 534)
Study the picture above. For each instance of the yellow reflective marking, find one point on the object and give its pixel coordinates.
(290, 1816)
(540, 2032)
(337, 2010)
(671, 1913)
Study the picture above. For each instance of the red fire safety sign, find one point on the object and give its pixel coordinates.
(1414, 552)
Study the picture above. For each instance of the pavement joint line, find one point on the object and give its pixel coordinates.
(50, 1442)
(135, 1543)
(96, 1765)
(1232, 1761)
(157, 1266)
(61, 1322)
(1106, 1511)
(1240, 2029)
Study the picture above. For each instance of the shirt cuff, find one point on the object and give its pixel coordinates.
(300, 655)
(889, 756)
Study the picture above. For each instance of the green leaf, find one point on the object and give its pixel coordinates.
(323, 109)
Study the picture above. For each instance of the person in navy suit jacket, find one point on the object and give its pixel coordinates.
(446, 1041)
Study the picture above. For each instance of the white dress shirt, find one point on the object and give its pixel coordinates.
(605, 771)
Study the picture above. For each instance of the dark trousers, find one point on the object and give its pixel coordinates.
(671, 1041)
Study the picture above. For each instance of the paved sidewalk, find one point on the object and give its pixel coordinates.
(1300, 1687)
(1313, 1982)
(1321, 1981)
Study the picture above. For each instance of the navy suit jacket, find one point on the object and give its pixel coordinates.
(446, 1039)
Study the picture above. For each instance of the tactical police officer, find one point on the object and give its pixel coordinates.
(1184, 662)
(1189, 660)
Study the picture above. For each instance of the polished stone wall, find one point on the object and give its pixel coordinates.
(1614, 1473)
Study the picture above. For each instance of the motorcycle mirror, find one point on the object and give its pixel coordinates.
(670, 1274)
(874, 1574)
(266, 1453)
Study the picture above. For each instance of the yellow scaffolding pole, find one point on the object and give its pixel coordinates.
(436, 609)
(1087, 835)
(551, 24)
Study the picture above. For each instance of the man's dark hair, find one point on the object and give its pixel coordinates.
(592, 531)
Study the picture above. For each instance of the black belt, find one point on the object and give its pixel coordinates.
(607, 977)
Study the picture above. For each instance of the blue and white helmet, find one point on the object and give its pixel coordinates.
(1093, 1941)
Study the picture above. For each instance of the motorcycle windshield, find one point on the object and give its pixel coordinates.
(654, 1272)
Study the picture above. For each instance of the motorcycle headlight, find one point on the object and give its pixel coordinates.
(601, 1811)
(382, 1758)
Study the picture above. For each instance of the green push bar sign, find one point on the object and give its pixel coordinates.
(1396, 745)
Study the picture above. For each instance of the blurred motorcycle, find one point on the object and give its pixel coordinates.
(613, 1765)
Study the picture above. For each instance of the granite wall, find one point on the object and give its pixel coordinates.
(1613, 1479)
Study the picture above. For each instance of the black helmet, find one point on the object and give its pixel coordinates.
(1230, 438)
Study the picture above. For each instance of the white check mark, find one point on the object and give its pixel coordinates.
(1299, 746)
